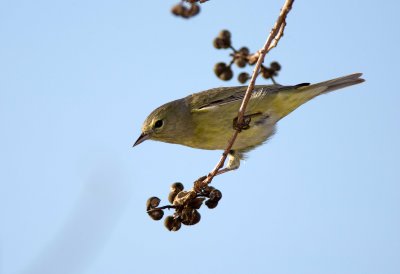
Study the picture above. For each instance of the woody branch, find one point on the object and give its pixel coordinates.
(271, 42)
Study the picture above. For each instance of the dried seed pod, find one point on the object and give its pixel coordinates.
(174, 190)
(267, 73)
(275, 66)
(178, 10)
(196, 203)
(194, 10)
(152, 202)
(190, 216)
(172, 224)
(225, 34)
(211, 204)
(243, 77)
(225, 43)
(185, 14)
(215, 195)
(171, 196)
(219, 68)
(244, 51)
(217, 43)
(156, 214)
(183, 197)
(226, 75)
(207, 190)
(241, 62)
(177, 186)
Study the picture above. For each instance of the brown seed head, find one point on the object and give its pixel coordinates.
(219, 68)
(156, 214)
(275, 66)
(172, 224)
(243, 77)
(241, 62)
(152, 202)
(178, 10)
(190, 216)
(215, 195)
(211, 204)
(226, 75)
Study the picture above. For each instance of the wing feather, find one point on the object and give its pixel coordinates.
(221, 96)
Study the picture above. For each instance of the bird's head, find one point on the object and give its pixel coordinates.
(166, 123)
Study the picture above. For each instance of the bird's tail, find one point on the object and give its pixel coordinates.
(289, 100)
(338, 83)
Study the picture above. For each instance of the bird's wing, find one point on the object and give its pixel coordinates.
(227, 95)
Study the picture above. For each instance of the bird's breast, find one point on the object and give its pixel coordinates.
(213, 130)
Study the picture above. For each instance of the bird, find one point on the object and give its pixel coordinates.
(207, 119)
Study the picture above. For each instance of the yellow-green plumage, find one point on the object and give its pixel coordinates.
(205, 120)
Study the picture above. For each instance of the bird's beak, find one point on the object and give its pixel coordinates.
(143, 137)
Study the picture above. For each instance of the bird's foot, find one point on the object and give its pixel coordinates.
(245, 124)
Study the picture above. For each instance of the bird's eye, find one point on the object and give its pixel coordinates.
(158, 124)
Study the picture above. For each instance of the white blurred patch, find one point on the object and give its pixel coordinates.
(87, 229)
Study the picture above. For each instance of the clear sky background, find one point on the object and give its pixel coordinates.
(77, 79)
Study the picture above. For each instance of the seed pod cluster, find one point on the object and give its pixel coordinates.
(240, 58)
(151, 207)
(187, 8)
(186, 204)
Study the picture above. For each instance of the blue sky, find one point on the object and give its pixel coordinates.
(77, 79)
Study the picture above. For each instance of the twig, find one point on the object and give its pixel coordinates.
(272, 41)
(161, 207)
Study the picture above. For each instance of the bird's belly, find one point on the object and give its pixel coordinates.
(253, 136)
(216, 133)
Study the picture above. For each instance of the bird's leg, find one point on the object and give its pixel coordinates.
(224, 170)
(233, 162)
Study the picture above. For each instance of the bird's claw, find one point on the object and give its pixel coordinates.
(245, 124)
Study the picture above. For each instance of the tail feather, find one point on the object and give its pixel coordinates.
(342, 82)
(311, 91)
(289, 100)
